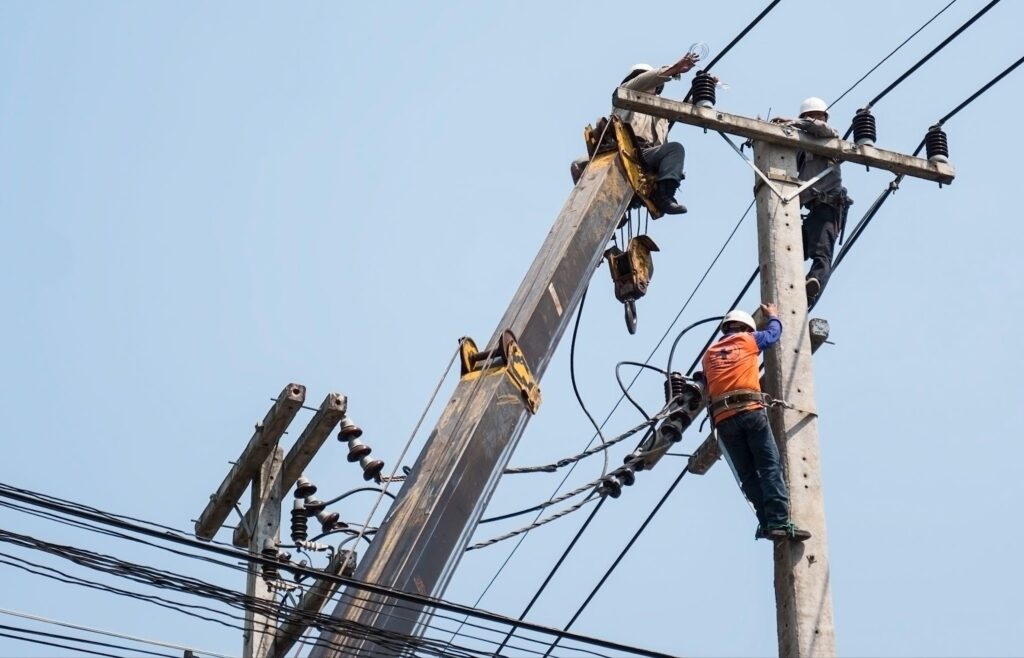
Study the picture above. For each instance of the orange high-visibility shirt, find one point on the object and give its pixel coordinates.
(731, 365)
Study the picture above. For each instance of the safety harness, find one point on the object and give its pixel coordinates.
(744, 396)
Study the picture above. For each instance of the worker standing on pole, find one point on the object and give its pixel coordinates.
(663, 158)
(826, 200)
(739, 417)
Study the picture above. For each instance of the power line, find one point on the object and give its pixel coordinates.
(97, 631)
(894, 184)
(891, 53)
(416, 600)
(945, 42)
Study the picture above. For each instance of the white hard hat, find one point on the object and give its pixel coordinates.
(739, 316)
(641, 67)
(813, 104)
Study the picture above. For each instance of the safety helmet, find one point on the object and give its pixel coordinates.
(813, 104)
(641, 67)
(739, 316)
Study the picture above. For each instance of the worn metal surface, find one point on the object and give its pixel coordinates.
(712, 119)
(260, 446)
(319, 427)
(803, 595)
(429, 525)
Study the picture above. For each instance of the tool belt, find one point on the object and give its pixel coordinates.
(735, 399)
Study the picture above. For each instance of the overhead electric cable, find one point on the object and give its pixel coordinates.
(891, 53)
(945, 42)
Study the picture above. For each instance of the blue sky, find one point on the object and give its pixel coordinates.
(202, 203)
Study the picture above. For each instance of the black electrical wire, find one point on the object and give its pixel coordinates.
(970, 99)
(893, 52)
(59, 646)
(95, 643)
(675, 343)
(945, 42)
(743, 33)
(735, 303)
(25, 496)
(894, 184)
(572, 373)
(554, 569)
(622, 554)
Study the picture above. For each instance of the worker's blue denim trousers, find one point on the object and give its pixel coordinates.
(750, 447)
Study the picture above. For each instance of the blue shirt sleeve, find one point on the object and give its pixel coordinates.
(770, 335)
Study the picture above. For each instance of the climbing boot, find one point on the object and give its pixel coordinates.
(664, 198)
(813, 287)
(788, 531)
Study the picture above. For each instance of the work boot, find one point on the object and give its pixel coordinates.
(788, 531)
(813, 290)
(664, 197)
(760, 533)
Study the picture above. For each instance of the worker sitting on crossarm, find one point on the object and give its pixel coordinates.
(663, 158)
(826, 200)
(738, 414)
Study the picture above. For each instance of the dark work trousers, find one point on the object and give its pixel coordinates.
(749, 444)
(820, 230)
(667, 160)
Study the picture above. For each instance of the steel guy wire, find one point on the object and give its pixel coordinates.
(405, 449)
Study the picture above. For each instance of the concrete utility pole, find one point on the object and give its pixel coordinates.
(263, 465)
(802, 590)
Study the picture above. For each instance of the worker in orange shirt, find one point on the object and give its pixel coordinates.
(738, 414)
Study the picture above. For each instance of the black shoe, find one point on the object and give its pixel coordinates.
(813, 289)
(760, 533)
(788, 531)
(664, 198)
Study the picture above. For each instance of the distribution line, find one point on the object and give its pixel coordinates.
(945, 42)
(31, 498)
(77, 627)
(893, 52)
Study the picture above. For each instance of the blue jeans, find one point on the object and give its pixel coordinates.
(747, 438)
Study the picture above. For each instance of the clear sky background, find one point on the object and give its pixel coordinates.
(203, 202)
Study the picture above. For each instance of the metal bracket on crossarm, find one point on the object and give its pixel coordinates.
(767, 182)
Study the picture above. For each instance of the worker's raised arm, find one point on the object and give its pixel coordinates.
(772, 331)
(649, 81)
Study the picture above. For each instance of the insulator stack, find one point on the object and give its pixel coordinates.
(675, 385)
(936, 145)
(300, 522)
(610, 486)
(270, 571)
(864, 129)
(330, 521)
(702, 89)
(349, 430)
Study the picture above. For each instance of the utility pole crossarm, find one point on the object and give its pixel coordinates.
(260, 446)
(331, 411)
(781, 135)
